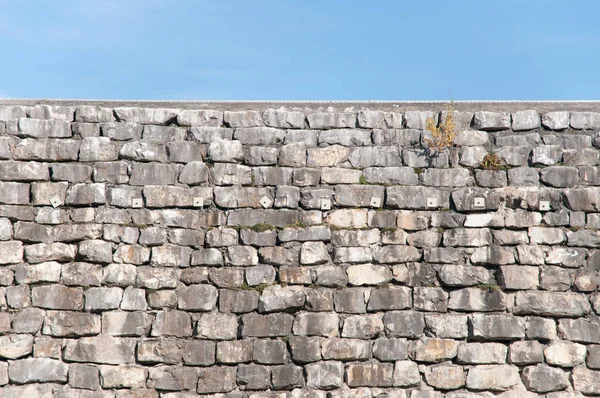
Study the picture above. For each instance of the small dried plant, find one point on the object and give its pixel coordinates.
(491, 161)
(442, 136)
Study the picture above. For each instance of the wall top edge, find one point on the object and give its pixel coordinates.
(504, 106)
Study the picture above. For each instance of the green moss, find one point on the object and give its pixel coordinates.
(490, 287)
(388, 229)
(418, 170)
(261, 227)
(259, 288)
(362, 180)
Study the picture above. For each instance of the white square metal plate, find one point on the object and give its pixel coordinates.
(544, 205)
(375, 201)
(432, 202)
(325, 204)
(137, 203)
(479, 203)
(198, 202)
(55, 201)
(265, 202)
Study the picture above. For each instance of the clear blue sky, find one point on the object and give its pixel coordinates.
(302, 49)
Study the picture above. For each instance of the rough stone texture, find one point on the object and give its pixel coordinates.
(362, 264)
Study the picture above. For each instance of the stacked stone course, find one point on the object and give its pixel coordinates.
(293, 253)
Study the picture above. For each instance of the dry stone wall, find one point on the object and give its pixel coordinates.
(300, 252)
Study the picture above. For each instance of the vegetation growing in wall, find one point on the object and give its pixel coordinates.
(491, 161)
(442, 136)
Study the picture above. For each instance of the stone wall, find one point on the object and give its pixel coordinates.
(307, 252)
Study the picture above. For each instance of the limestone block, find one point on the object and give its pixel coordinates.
(328, 120)
(282, 118)
(330, 156)
(556, 120)
(491, 121)
(543, 378)
(369, 375)
(375, 156)
(476, 299)
(326, 375)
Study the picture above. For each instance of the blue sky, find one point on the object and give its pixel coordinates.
(300, 50)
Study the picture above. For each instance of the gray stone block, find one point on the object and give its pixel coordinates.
(491, 121)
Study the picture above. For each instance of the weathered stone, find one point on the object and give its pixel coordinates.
(430, 299)
(368, 274)
(345, 137)
(219, 379)
(551, 304)
(481, 353)
(154, 174)
(316, 324)
(556, 120)
(160, 116)
(394, 254)
(16, 346)
(467, 237)
(455, 177)
(546, 155)
(172, 323)
(36, 128)
(491, 178)
(493, 377)
(491, 121)
(270, 325)
(445, 377)
(162, 350)
(100, 349)
(231, 352)
(476, 299)
(144, 151)
(369, 375)
(526, 352)
(432, 350)
(560, 176)
(69, 324)
(325, 375)
(585, 120)
(497, 327)
(393, 298)
(57, 297)
(580, 330)
(380, 156)
(330, 156)
(493, 254)
(404, 324)
(32, 370)
(277, 298)
(543, 378)
(362, 326)
(548, 236)
(531, 254)
(516, 277)
(406, 374)
(352, 300)
(446, 325)
(314, 253)
(565, 354)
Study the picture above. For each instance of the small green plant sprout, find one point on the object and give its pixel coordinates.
(442, 136)
(491, 161)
